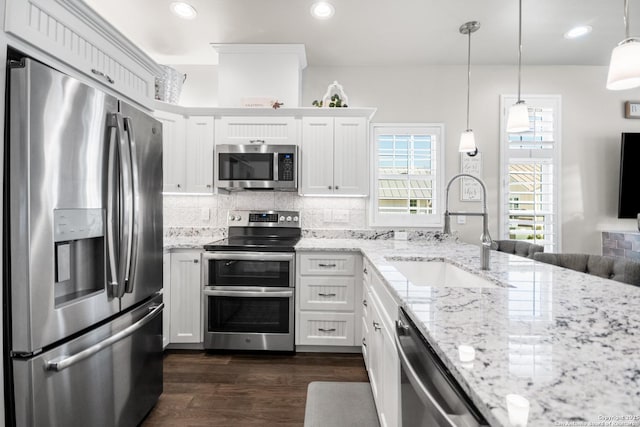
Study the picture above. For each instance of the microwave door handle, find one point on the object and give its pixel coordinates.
(112, 214)
(134, 226)
(275, 166)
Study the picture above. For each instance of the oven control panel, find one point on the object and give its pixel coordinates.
(264, 218)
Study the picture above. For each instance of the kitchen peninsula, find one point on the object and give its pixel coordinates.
(565, 341)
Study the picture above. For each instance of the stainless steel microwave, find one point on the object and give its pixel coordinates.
(256, 167)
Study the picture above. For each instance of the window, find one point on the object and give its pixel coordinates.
(530, 164)
(408, 172)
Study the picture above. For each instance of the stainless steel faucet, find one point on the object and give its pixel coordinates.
(485, 238)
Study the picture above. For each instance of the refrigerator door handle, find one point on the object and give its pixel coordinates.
(64, 362)
(126, 208)
(112, 216)
(133, 243)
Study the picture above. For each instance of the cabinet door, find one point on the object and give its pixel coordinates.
(166, 299)
(185, 321)
(257, 130)
(317, 155)
(200, 154)
(351, 159)
(174, 173)
(390, 379)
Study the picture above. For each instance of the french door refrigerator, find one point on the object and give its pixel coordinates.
(82, 253)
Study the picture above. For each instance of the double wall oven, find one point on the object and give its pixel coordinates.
(249, 283)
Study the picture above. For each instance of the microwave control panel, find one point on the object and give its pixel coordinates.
(285, 167)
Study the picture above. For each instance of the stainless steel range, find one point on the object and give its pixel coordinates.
(249, 283)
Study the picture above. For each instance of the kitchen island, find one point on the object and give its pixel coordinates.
(566, 341)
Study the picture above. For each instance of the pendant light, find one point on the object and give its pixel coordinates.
(518, 118)
(624, 68)
(467, 139)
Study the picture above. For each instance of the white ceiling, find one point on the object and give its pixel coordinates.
(378, 32)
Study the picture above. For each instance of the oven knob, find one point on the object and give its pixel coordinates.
(282, 218)
(238, 218)
(288, 218)
(232, 218)
(295, 218)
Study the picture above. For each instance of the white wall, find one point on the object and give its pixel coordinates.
(592, 120)
(200, 89)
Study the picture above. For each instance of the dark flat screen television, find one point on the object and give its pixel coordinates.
(629, 193)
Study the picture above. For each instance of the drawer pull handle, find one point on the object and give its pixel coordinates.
(327, 265)
(365, 271)
(253, 141)
(364, 302)
(327, 330)
(364, 342)
(101, 74)
(376, 326)
(327, 295)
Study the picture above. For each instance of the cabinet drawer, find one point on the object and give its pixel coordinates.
(327, 264)
(326, 329)
(327, 293)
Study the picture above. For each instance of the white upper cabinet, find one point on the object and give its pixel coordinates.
(257, 130)
(200, 137)
(71, 32)
(187, 158)
(174, 172)
(334, 156)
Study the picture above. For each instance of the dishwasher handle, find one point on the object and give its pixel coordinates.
(427, 398)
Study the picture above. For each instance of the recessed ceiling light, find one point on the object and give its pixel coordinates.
(322, 10)
(576, 32)
(183, 10)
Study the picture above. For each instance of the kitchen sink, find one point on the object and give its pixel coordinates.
(440, 274)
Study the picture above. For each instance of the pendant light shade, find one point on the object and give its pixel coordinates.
(518, 116)
(467, 139)
(468, 142)
(518, 119)
(624, 68)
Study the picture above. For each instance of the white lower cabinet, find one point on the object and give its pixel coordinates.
(326, 292)
(166, 299)
(379, 348)
(185, 319)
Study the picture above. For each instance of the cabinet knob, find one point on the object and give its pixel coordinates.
(178, 185)
(337, 187)
(364, 302)
(329, 187)
(195, 261)
(364, 342)
(365, 271)
(208, 185)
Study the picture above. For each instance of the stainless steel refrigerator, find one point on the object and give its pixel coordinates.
(83, 253)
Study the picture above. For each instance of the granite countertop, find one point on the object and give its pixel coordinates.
(566, 341)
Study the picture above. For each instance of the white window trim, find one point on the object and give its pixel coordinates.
(408, 221)
(505, 102)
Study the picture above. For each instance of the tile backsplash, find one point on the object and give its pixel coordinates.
(316, 212)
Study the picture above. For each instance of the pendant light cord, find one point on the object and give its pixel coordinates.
(626, 19)
(520, 47)
(468, 78)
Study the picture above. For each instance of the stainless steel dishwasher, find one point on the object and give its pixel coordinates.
(430, 396)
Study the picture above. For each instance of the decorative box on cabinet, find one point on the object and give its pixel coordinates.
(326, 291)
(257, 130)
(72, 32)
(186, 306)
(334, 156)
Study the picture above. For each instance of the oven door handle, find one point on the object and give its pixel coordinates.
(247, 256)
(253, 294)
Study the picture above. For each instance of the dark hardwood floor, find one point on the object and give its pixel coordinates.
(203, 389)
